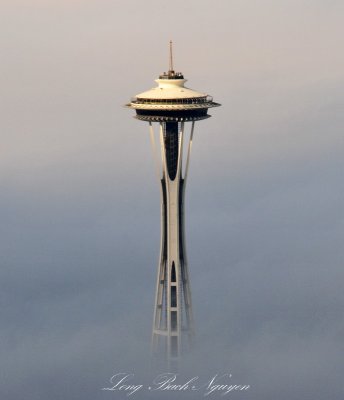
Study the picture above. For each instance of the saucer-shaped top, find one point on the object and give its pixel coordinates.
(170, 89)
(171, 101)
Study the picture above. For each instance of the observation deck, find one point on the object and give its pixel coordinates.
(171, 101)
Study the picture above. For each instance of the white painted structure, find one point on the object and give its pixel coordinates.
(172, 105)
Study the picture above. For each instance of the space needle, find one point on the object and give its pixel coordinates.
(171, 110)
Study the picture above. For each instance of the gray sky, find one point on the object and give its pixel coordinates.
(79, 204)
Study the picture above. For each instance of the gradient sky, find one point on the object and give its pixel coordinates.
(79, 203)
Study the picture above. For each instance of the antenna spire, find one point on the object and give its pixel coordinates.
(171, 74)
(171, 57)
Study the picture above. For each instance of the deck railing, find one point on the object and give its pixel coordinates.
(193, 100)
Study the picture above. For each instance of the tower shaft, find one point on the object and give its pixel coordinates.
(173, 322)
